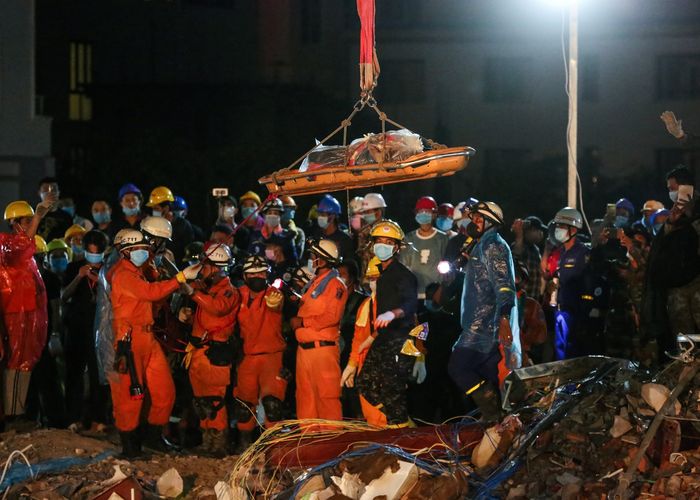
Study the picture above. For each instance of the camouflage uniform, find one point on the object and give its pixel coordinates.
(364, 248)
(684, 308)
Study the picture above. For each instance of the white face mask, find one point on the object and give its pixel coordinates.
(673, 195)
(229, 212)
(561, 235)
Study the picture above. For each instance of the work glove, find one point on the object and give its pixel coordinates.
(189, 273)
(384, 319)
(347, 379)
(673, 124)
(419, 371)
(273, 299)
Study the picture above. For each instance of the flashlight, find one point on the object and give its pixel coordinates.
(277, 283)
(444, 267)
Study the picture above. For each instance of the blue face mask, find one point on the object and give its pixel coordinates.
(657, 228)
(247, 211)
(288, 215)
(77, 249)
(158, 259)
(130, 212)
(94, 258)
(621, 220)
(101, 217)
(424, 218)
(69, 210)
(370, 218)
(156, 213)
(431, 306)
(383, 251)
(58, 264)
(322, 221)
(444, 223)
(138, 257)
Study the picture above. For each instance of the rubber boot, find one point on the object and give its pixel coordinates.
(218, 444)
(488, 402)
(245, 439)
(156, 441)
(131, 444)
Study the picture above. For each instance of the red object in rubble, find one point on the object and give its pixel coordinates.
(310, 451)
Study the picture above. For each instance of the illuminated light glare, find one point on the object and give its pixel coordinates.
(444, 267)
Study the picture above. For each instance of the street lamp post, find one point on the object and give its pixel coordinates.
(572, 129)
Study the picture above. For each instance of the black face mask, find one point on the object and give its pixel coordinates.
(256, 284)
(473, 231)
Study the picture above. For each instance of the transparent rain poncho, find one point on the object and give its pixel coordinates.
(23, 302)
(104, 335)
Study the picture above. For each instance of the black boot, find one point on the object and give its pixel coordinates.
(131, 444)
(156, 441)
(489, 403)
(245, 439)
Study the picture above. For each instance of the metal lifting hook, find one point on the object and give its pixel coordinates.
(685, 356)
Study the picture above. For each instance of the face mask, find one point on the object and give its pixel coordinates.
(288, 215)
(130, 212)
(77, 249)
(322, 221)
(270, 255)
(179, 213)
(69, 210)
(473, 231)
(58, 264)
(157, 213)
(673, 195)
(430, 306)
(138, 257)
(383, 251)
(561, 235)
(272, 220)
(310, 266)
(229, 212)
(247, 211)
(256, 284)
(424, 218)
(444, 223)
(621, 221)
(370, 218)
(657, 228)
(94, 258)
(101, 217)
(158, 259)
(356, 222)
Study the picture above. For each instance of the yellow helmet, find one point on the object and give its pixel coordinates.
(18, 209)
(159, 195)
(387, 228)
(250, 195)
(40, 243)
(75, 229)
(373, 268)
(59, 244)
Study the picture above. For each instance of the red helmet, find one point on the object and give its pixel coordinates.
(446, 210)
(426, 203)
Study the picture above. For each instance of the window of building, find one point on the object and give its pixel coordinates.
(310, 21)
(678, 76)
(401, 82)
(506, 79)
(80, 69)
(589, 78)
(669, 158)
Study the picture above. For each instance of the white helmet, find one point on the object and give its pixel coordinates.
(119, 237)
(460, 211)
(219, 255)
(569, 217)
(327, 250)
(131, 238)
(255, 264)
(489, 210)
(355, 205)
(159, 227)
(372, 201)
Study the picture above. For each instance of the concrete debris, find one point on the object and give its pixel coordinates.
(620, 427)
(170, 484)
(655, 395)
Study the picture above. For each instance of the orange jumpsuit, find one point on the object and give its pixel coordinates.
(318, 354)
(132, 305)
(214, 320)
(260, 372)
(366, 314)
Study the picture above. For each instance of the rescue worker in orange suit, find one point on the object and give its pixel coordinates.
(383, 380)
(317, 329)
(261, 376)
(210, 351)
(139, 360)
(23, 302)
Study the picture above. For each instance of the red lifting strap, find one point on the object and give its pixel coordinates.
(369, 64)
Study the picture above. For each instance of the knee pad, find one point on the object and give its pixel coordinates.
(273, 408)
(244, 411)
(207, 407)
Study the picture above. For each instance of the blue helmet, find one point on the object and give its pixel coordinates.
(329, 205)
(129, 188)
(179, 203)
(625, 204)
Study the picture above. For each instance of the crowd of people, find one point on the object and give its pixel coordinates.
(140, 319)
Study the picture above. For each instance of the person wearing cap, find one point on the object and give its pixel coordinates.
(249, 204)
(130, 200)
(529, 235)
(23, 302)
(489, 314)
(132, 299)
(261, 377)
(54, 223)
(79, 302)
(288, 223)
(373, 209)
(445, 219)
(210, 351)
(328, 213)
(624, 211)
(272, 229)
(650, 207)
(317, 330)
(426, 245)
(161, 202)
